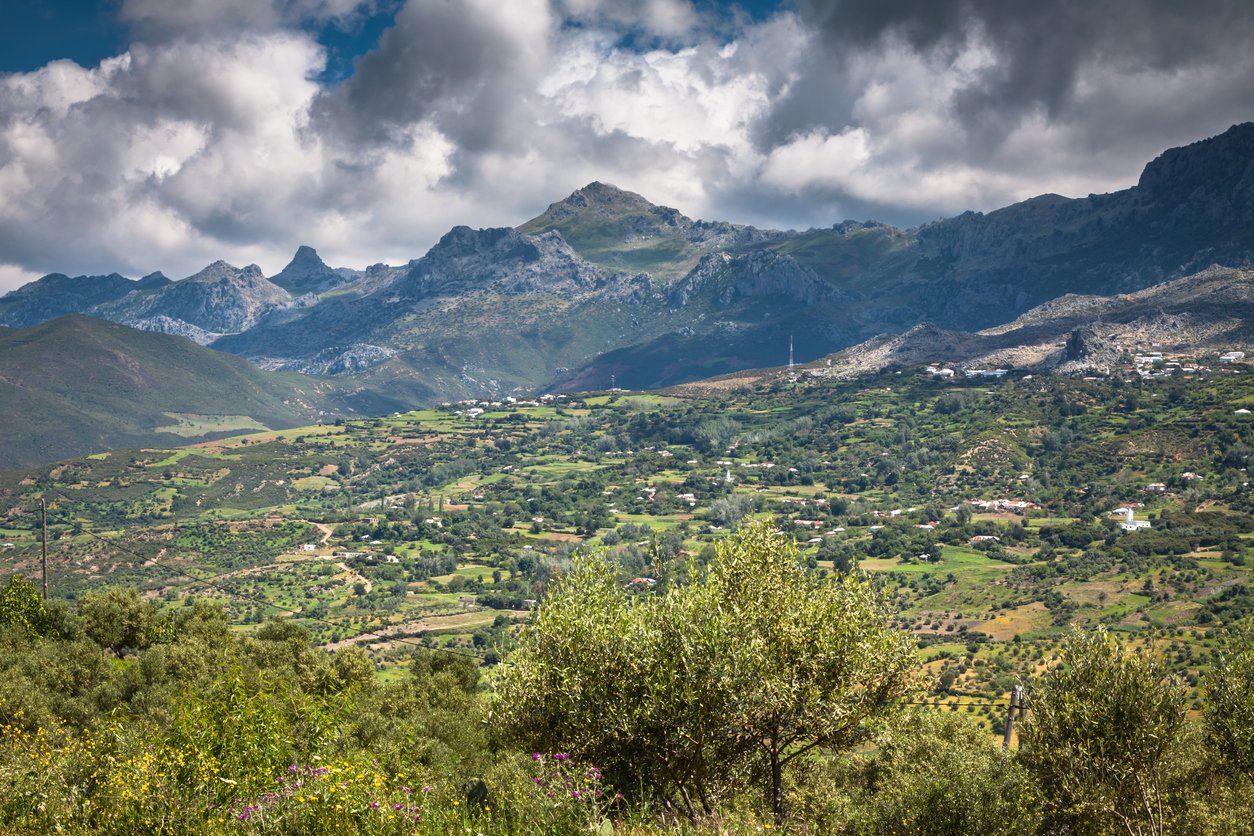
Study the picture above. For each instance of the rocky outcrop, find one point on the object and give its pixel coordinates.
(504, 260)
(57, 294)
(221, 299)
(724, 278)
(307, 273)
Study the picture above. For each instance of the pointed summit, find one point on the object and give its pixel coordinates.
(308, 273)
(597, 193)
(596, 202)
(622, 231)
(216, 271)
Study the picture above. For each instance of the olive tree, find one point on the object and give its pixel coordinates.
(692, 692)
(936, 774)
(119, 619)
(1101, 732)
(1230, 707)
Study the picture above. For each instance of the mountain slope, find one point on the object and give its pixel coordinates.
(77, 385)
(1210, 312)
(605, 283)
(220, 299)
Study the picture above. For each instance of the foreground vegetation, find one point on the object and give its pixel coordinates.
(677, 711)
(229, 620)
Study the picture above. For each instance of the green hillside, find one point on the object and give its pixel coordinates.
(77, 385)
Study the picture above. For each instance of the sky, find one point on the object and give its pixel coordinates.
(143, 135)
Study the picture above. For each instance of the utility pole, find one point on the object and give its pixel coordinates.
(43, 518)
(1016, 702)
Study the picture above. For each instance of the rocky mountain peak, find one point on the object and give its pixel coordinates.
(597, 193)
(307, 273)
(1220, 162)
(153, 279)
(509, 260)
(602, 203)
(216, 271)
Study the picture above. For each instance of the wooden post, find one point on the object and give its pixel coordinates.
(1016, 701)
(43, 518)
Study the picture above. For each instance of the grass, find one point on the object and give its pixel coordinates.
(193, 425)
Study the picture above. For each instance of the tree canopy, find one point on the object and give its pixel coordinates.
(725, 679)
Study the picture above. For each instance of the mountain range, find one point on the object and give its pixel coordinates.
(605, 286)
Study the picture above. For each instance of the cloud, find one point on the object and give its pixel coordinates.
(1045, 55)
(663, 18)
(212, 137)
(976, 103)
(460, 64)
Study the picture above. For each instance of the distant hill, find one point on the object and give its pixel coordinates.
(78, 385)
(604, 285)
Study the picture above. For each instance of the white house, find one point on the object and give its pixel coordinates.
(1131, 524)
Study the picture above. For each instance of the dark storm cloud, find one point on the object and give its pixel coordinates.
(447, 62)
(1041, 46)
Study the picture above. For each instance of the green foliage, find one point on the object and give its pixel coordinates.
(1102, 730)
(938, 774)
(1230, 706)
(692, 692)
(118, 619)
(22, 607)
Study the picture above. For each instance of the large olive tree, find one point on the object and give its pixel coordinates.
(691, 692)
(1230, 705)
(1102, 730)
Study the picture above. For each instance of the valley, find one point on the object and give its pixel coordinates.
(987, 510)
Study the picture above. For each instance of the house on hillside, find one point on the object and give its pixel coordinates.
(1130, 523)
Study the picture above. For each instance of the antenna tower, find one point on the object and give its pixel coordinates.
(790, 363)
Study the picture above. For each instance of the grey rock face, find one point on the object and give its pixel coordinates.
(758, 273)
(307, 273)
(57, 294)
(468, 260)
(221, 299)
